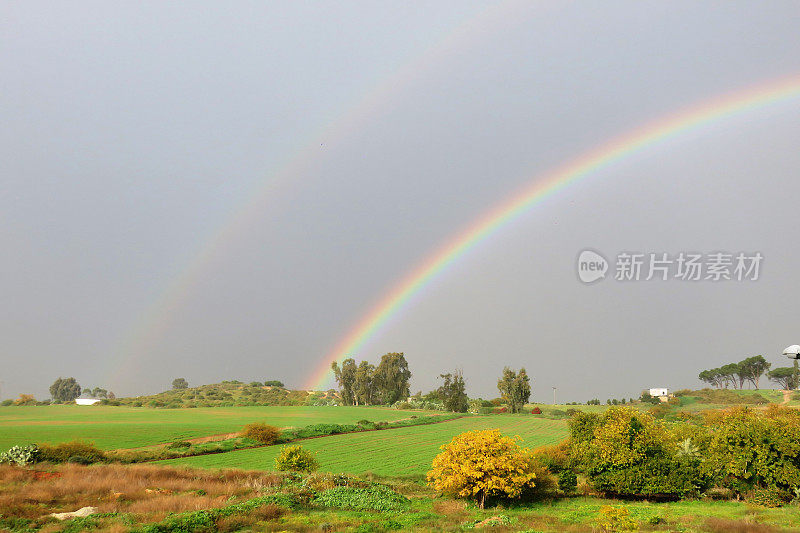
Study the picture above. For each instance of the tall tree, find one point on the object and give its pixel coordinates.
(753, 368)
(730, 374)
(742, 372)
(711, 376)
(391, 378)
(346, 377)
(363, 386)
(180, 383)
(453, 392)
(97, 392)
(515, 388)
(65, 390)
(783, 376)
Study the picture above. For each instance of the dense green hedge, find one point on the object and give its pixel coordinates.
(623, 452)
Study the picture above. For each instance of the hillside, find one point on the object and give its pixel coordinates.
(229, 394)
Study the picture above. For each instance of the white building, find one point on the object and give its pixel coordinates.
(86, 399)
(659, 393)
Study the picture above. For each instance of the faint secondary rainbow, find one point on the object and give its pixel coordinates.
(543, 187)
(154, 321)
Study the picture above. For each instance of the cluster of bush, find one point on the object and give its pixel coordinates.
(26, 399)
(67, 452)
(420, 403)
(721, 396)
(735, 453)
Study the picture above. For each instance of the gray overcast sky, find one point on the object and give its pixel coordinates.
(131, 132)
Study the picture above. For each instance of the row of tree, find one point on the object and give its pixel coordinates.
(67, 389)
(367, 384)
(735, 375)
(751, 370)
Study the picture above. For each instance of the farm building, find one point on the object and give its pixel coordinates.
(661, 393)
(658, 393)
(86, 399)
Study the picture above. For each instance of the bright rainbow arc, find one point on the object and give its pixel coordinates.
(549, 184)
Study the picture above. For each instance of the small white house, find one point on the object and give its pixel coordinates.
(86, 399)
(659, 393)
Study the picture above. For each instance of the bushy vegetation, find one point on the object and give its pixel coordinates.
(374, 497)
(627, 453)
(261, 432)
(230, 394)
(481, 464)
(20, 455)
(722, 397)
(73, 452)
(296, 459)
(739, 452)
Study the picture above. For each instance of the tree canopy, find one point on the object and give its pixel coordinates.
(747, 370)
(453, 392)
(366, 384)
(515, 388)
(65, 389)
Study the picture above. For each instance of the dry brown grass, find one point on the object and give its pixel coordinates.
(721, 525)
(145, 490)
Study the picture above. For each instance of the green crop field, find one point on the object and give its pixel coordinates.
(128, 427)
(393, 452)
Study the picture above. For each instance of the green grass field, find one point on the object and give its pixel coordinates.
(129, 427)
(394, 452)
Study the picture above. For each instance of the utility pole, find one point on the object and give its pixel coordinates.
(554, 395)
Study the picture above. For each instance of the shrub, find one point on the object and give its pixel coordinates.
(614, 519)
(536, 411)
(179, 444)
(481, 464)
(567, 481)
(659, 411)
(6, 403)
(296, 459)
(375, 497)
(261, 432)
(20, 455)
(769, 497)
(25, 399)
(555, 457)
(626, 453)
(82, 452)
(747, 448)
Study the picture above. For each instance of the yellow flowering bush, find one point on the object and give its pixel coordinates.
(477, 464)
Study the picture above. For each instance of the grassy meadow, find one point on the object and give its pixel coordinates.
(129, 427)
(394, 452)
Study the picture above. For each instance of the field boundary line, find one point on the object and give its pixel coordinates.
(213, 452)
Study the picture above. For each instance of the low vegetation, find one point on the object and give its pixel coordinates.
(296, 459)
(261, 432)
